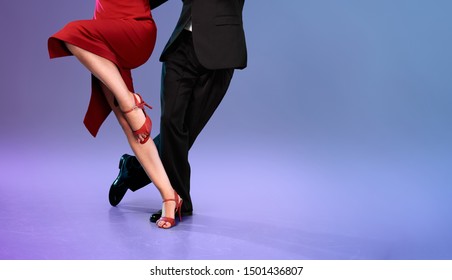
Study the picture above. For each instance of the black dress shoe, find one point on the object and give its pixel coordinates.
(119, 187)
(158, 214)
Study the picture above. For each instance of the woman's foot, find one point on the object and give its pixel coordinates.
(170, 207)
(136, 117)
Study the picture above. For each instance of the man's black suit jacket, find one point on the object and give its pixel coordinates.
(218, 35)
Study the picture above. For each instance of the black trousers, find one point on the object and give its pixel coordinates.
(190, 95)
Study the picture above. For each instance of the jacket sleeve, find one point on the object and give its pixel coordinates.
(155, 3)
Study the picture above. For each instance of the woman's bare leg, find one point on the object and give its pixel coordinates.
(114, 88)
(148, 157)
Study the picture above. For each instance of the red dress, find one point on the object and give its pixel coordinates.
(121, 31)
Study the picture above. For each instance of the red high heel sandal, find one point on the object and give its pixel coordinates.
(176, 210)
(146, 127)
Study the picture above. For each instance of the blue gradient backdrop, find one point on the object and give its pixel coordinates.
(342, 116)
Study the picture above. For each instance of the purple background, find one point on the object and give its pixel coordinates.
(334, 143)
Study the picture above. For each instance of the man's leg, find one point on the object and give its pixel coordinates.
(190, 97)
(207, 96)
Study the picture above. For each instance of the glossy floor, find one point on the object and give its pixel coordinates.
(272, 205)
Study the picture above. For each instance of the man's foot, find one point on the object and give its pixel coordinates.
(157, 215)
(119, 187)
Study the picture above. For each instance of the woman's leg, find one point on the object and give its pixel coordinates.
(114, 88)
(148, 157)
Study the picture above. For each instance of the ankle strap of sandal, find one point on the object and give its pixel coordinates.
(137, 105)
